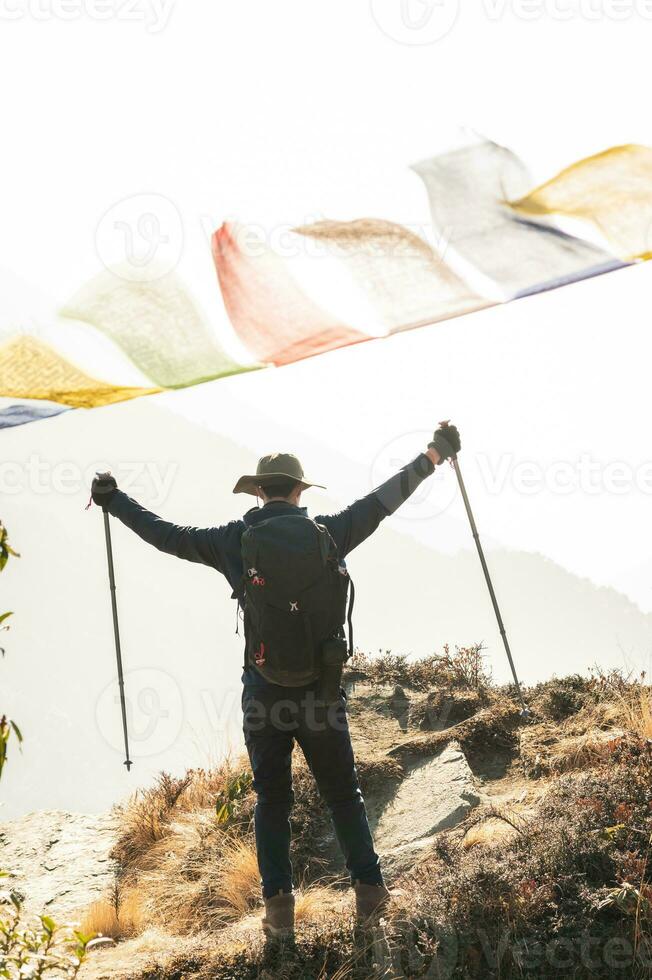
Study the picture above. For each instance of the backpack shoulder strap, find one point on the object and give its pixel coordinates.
(349, 616)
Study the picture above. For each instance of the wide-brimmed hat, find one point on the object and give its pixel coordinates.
(276, 466)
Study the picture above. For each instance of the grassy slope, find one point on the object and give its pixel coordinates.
(549, 877)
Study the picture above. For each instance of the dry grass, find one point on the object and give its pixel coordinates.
(547, 862)
(147, 817)
(201, 878)
(546, 752)
(144, 820)
(117, 920)
(637, 712)
(462, 667)
(578, 752)
(588, 736)
(496, 826)
(554, 878)
(238, 886)
(491, 728)
(206, 785)
(629, 699)
(315, 904)
(488, 834)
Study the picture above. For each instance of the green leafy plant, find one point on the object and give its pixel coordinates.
(627, 898)
(229, 799)
(7, 726)
(5, 548)
(39, 948)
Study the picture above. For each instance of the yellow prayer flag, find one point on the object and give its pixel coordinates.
(31, 369)
(612, 189)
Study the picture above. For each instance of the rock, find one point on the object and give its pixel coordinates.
(58, 861)
(436, 794)
(399, 707)
(101, 942)
(442, 709)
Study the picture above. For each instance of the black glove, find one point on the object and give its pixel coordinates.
(103, 488)
(446, 441)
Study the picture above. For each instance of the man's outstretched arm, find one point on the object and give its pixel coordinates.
(352, 526)
(192, 543)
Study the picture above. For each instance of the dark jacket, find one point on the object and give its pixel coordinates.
(219, 547)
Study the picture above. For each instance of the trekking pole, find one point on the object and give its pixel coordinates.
(116, 633)
(525, 711)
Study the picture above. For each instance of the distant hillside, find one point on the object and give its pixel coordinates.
(178, 622)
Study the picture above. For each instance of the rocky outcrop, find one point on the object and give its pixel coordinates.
(435, 794)
(59, 862)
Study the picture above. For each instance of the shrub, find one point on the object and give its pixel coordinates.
(464, 667)
(578, 868)
(562, 697)
(503, 895)
(30, 950)
(117, 916)
(230, 797)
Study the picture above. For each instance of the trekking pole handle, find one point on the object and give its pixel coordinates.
(106, 476)
(444, 425)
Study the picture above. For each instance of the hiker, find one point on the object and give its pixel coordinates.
(289, 576)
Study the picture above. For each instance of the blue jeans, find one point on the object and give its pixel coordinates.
(274, 718)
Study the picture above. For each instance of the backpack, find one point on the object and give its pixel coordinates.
(294, 593)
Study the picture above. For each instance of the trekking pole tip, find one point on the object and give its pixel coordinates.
(128, 763)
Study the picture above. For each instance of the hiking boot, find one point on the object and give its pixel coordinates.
(370, 902)
(278, 921)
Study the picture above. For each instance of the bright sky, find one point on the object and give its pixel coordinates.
(286, 112)
(280, 112)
